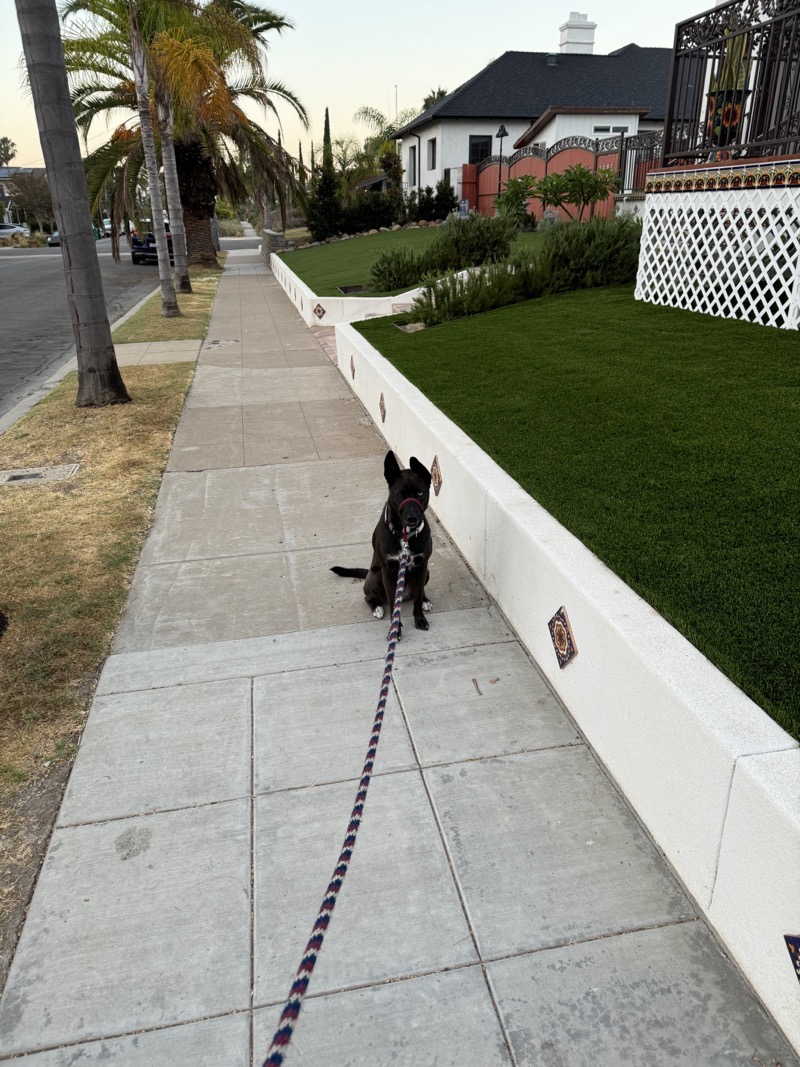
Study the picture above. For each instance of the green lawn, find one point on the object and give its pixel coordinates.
(668, 442)
(326, 267)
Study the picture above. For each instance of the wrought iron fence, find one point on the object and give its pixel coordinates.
(735, 84)
(640, 154)
(636, 155)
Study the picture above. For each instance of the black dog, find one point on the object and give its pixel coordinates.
(409, 491)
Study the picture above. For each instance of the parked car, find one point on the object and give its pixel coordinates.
(55, 239)
(10, 229)
(143, 249)
(106, 228)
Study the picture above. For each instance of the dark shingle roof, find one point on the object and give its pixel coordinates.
(522, 85)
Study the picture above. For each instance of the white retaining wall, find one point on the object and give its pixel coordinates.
(331, 310)
(714, 779)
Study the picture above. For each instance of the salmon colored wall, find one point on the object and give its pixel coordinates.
(469, 184)
(569, 157)
(485, 182)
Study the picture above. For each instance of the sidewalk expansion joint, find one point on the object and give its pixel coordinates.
(150, 812)
(480, 962)
(117, 1035)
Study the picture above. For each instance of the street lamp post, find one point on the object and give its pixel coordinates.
(501, 133)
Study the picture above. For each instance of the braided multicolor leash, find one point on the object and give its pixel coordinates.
(291, 1010)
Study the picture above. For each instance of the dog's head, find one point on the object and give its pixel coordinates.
(409, 490)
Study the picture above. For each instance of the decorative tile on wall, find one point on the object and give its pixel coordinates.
(793, 944)
(724, 177)
(562, 637)
(436, 475)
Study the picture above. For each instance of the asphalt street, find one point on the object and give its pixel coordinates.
(35, 327)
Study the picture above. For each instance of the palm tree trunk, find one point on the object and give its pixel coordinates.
(169, 301)
(198, 194)
(99, 379)
(174, 206)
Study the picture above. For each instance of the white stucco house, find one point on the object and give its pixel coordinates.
(538, 98)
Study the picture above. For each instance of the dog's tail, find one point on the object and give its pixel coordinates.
(351, 572)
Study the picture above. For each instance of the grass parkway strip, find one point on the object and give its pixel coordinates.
(666, 441)
(67, 556)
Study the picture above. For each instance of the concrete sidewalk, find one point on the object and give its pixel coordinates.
(504, 906)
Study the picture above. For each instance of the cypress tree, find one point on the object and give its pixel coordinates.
(324, 207)
(327, 147)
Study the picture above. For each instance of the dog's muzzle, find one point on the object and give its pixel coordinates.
(411, 515)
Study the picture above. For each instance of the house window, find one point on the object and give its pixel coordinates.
(609, 129)
(432, 153)
(480, 147)
(412, 165)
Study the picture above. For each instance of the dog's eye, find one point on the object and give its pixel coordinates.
(421, 492)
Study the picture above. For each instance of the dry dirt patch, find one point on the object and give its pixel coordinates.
(68, 551)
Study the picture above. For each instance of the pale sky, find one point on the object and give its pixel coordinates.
(345, 55)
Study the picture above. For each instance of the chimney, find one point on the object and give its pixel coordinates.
(577, 35)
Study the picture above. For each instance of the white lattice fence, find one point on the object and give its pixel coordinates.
(728, 252)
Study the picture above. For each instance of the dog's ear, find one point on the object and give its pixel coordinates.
(391, 468)
(423, 472)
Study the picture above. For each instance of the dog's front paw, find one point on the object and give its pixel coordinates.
(427, 606)
(421, 622)
(378, 611)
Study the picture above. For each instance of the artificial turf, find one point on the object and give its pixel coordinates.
(324, 268)
(666, 441)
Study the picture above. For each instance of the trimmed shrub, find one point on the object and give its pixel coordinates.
(468, 242)
(590, 254)
(230, 227)
(460, 244)
(431, 205)
(445, 201)
(575, 255)
(456, 296)
(397, 268)
(368, 211)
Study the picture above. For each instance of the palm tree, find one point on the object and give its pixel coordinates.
(209, 165)
(210, 64)
(169, 301)
(7, 151)
(99, 379)
(351, 163)
(433, 97)
(382, 129)
(118, 31)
